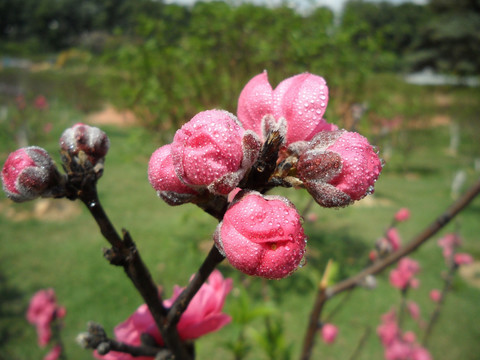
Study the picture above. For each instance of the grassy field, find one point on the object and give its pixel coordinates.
(60, 247)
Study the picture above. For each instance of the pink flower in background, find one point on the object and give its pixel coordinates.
(420, 353)
(398, 345)
(393, 238)
(28, 173)
(435, 295)
(301, 100)
(42, 311)
(402, 215)
(54, 353)
(40, 102)
(409, 336)
(262, 236)
(413, 310)
(213, 151)
(403, 276)
(462, 259)
(388, 330)
(202, 316)
(448, 243)
(329, 333)
(163, 178)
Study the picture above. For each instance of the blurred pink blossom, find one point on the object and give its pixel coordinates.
(393, 238)
(413, 310)
(403, 276)
(388, 330)
(40, 102)
(42, 311)
(54, 353)
(462, 259)
(435, 295)
(202, 316)
(402, 215)
(448, 243)
(329, 333)
(398, 345)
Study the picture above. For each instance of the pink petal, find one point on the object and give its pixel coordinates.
(255, 101)
(302, 100)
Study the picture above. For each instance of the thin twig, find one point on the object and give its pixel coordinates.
(352, 282)
(125, 253)
(361, 343)
(436, 312)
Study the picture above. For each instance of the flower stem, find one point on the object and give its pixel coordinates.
(124, 253)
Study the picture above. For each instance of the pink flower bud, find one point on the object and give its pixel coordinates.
(329, 333)
(409, 337)
(339, 167)
(54, 353)
(42, 311)
(262, 236)
(393, 238)
(413, 310)
(29, 173)
(462, 259)
(402, 215)
(91, 140)
(301, 100)
(435, 295)
(213, 151)
(163, 178)
(420, 353)
(41, 102)
(361, 165)
(403, 276)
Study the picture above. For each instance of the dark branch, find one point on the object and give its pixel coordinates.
(324, 294)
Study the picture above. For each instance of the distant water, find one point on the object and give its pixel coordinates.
(429, 77)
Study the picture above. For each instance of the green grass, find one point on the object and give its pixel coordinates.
(66, 254)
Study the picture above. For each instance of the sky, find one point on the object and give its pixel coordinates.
(335, 5)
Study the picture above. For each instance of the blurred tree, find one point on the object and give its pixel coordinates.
(450, 41)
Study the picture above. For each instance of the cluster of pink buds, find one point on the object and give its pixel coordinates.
(399, 345)
(449, 243)
(30, 172)
(280, 138)
(403, 277)
(42, 312)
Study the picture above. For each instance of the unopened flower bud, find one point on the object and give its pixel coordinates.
(29, 173)
(262, 236)
(339, 168)
(89, 140)
(213, 151)
(402, 215)
(163, 178)
(329, 333)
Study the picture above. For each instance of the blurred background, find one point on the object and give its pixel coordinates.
(404, 74)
